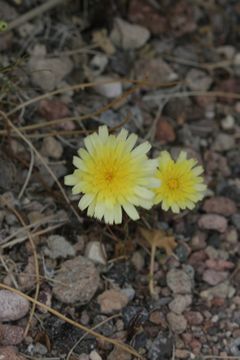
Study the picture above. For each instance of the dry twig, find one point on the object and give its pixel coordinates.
(54, 312)
(36, 264)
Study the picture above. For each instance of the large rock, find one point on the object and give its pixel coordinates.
(76, 281)
(12, 306)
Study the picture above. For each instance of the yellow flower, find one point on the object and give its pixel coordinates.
(112, 175)
(181, 182)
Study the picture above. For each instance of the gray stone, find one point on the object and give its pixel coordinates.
(198, 80)
(76, 281)
(180, 303)
(128, 36)
(178, 323)
(51, 147)
(13, 306)
(223, 142)
(48, 73)
(179, 281)
(96, 252)
(108, 86)
(223, 290)
(59, 247)
(160, 348)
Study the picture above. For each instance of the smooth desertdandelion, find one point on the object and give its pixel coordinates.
(182, 185)
(112, 174)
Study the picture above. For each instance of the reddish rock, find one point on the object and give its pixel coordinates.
(6, 41)
(142, 13)
(181, 17)
(197, 258)
(187, 338)
(214, 277)
(194, 317)
(164, 131)
(229, 86)
(219, 264)
(217, 301)
(112, 301)
(56, 109)
(11, 334)
(213, 222)
(196, 346)
(53, 109)
(156, 70)
(220, 205)
(216, 163)
(198, 241)
(8, 353)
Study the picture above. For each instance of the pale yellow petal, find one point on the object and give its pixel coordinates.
(85, 201)
(131, 211)
(70, 180)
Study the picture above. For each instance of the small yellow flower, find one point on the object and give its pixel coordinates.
(112, 175)
(181, 183)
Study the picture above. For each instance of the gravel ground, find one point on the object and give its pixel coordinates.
(170, 72)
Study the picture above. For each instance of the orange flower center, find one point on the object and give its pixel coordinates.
(173, 184)
(109, 175)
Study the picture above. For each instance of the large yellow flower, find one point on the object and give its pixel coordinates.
(112, 175)
(181, 182)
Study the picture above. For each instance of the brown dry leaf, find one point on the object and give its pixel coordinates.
(158, 238)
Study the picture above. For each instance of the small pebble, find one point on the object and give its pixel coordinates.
(94, 355)
(119, 354)
(235, 347)
(178, 323)
(96, 252)
(108, 86)
(220, 205)
(194, 317)
(13, 306)
(213, 222)
(46, 74)
(138, 260)
(11, 334)
(223, 290)
(59, 247)
(51, 148)
(213, 277)
(228, 122)
(180, 303)
(223, 142)
(128, 36)
(198, 80)
(76, 281)
(9, 353)
(112, 300)
(179, 281)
